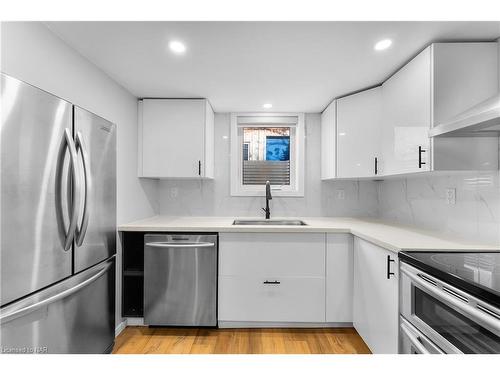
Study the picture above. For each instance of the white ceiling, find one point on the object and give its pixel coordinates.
(238, 66)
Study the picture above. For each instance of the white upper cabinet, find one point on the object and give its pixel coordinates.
(358, 133)
(406, 103)
(439, 83)
(328, 142)
(464, 74)
(176, 138)
(392, 123)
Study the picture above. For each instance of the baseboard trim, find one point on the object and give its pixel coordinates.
(237, 324)
(135, 322)
(232, 324)
(120, 327)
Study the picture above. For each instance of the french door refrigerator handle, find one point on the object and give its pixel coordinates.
(80, 232)
(47, 301)
(76, 190)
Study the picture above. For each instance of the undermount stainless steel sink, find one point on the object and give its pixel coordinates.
(268, 222)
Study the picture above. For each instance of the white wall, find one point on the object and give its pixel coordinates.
(212, 197)
(32, 53)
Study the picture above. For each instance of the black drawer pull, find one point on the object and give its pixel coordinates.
(389, 260)
(275, 282)
(420, 162)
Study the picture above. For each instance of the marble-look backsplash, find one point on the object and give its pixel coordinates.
(416, 201)
(213, 198)
(421, 201)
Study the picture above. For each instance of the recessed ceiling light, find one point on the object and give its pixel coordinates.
(177, 47)
(267, 105)
(383, 44)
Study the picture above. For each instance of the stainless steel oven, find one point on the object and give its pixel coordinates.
(436, 317)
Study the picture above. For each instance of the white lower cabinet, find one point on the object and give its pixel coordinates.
(271, 277)
(375, 307)
(251, 299)
(272, 254)
(294, 279)
(339, 278)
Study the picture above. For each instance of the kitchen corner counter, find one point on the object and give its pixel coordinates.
(387, 235)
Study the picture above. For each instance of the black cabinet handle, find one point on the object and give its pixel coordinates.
(376, 165)
(199, 167)
(275, 282)
(389, 273)
(420, 162)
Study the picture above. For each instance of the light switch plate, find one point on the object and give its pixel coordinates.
(451, 196)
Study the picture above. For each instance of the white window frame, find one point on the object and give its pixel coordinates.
(297, 152)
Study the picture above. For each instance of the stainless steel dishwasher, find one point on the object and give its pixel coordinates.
(180, 279)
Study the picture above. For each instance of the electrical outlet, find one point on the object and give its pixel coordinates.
(340, 194)
(174, 192)
(451, 196)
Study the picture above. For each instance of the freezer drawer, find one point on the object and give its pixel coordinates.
(180, 280)
(76, 315)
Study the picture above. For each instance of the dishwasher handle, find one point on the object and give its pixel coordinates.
(180, 244)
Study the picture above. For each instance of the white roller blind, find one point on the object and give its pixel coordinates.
(274, 121)
(257, 172)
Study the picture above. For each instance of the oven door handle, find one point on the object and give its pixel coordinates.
(414, 340)
(470, 311)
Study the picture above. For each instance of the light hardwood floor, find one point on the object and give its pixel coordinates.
(145, 340)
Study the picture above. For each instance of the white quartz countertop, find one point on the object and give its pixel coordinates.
(387, 235)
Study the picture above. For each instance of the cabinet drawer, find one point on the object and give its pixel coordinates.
(248, 299)
(272, 254)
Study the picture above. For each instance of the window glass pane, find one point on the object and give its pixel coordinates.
(266, 155)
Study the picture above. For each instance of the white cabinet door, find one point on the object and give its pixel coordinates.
(272, 254)
(272, 277)
(328, 142)
(406, 117)
(358, 133)
(339, 278)
(375, 307)
(282, 299)
(209, 166)
(175, 138)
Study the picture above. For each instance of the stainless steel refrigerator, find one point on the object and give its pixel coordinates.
(58, 224)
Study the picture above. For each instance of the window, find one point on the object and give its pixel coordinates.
(267, 147)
